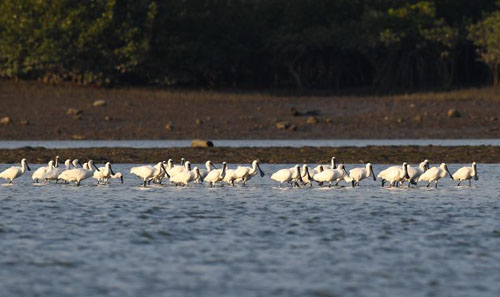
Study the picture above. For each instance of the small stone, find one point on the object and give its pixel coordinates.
(312, 120)
(399, 120)
(418, 118)
(453, 113)
(24, 122)
(199, 122)
(329, 121)
(201, 143)
(5, 121)
(169, 126)
(294, 112)
(281, 125)
(292, 128)
(106, 118)
(386, 118)
(412, 105)
(77, 117)
(74, 111)
(99, 103)
(493, 119)
(78, 136)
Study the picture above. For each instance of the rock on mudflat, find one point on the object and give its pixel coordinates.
(281, 125)
(5, 121)
(99, 103)
(202, 143)
(453, 113)
(74, 111)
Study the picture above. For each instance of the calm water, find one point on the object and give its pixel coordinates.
(124, 240)
(9, 144)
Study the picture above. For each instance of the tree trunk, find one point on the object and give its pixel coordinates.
(296, 77)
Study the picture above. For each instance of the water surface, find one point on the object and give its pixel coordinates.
(10, 144)
(259, 240)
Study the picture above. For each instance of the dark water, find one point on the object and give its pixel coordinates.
(123, 240)
(10, 144)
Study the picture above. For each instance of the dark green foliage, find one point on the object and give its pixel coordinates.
(244, 43)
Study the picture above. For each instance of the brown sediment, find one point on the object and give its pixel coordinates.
(311, 155)
(40, 111)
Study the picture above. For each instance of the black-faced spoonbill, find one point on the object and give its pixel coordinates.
(15, 171)
(356, 175)
(147, 172)
(466, 173)
(183, 178)
(434, 174)
(394, 174)
(288, 175)
(216, 175)
(330, 175)
(78, 174)
(244, 173)
(41, 172)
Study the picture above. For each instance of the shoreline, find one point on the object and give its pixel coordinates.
(271, 155)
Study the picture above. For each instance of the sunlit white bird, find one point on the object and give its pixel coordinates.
(466, 173)
(434, 174)
(15, 171)
(174, 169)
(104, 173)
(288, 175)
(216, 175)
(229, 177)
(208, 165)
(183, 178)
(415, 172)
(245, 173)
(356, 175)
(330, 175)
(394, 174)
(77, 175)
(308, 174)
(147, 172)
(40, 173)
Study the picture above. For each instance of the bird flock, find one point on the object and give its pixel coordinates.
(331, 174)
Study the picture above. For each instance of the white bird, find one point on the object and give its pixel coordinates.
(104, 173)
(288, 175)
(15, 171)
(40, 173)
(394, 174)
(330, 175)
(333, 165)
(466, 173)
(308, 175)
(209, 165)
(229, 177)
(356, 175)
(172, 169)
(434, 174)
(78, 174)
(117, 175)
(183, 178)
(216, 175)
(244, 173)
(415, 172)
(147, 172)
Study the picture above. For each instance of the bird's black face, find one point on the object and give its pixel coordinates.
(260, 171)
(373, 173)
(449, 173)
(213, 166)
(334, 161)
(300, 175)
(95, 167)
(111, 169)
(406, 171)
(164, 170)
(28, 167)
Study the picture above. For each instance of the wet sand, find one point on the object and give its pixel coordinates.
(39, 111)
(310, 155)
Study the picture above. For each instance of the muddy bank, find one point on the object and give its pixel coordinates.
(311, 155)
(37, 111)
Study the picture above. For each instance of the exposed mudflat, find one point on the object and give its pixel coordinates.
(39, 111)
(311, 155)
